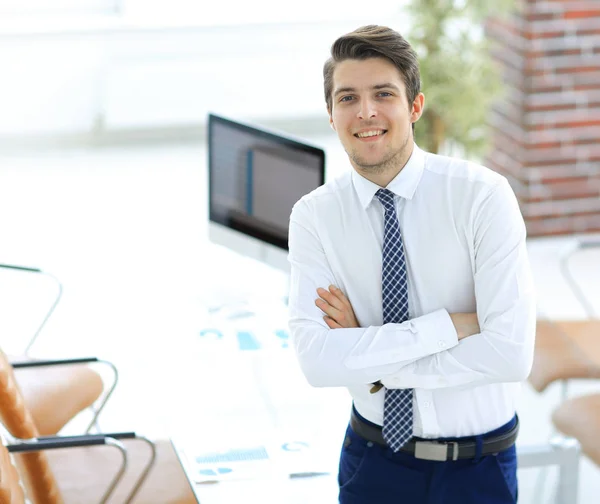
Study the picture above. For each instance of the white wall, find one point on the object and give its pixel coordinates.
(110, 76)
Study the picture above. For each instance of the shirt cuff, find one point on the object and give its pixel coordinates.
(437, 332)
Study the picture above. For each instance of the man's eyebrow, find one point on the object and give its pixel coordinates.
(344, 90)
(385, 85)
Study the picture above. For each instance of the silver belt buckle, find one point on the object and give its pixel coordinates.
(432, 450)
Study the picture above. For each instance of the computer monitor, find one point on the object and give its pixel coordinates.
(255, 177)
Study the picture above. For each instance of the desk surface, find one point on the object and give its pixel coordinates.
(241, 389)
(273, 489)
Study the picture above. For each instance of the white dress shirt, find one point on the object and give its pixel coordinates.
(464, 241)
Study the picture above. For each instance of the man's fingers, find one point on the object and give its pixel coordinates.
(339, 295)
(340, 318)
(332, 311)
(331, 323)
(332, 299)
(336, 307)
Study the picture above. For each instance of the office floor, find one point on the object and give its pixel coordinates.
(124, 229)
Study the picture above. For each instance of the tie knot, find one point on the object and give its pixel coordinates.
(387, 199)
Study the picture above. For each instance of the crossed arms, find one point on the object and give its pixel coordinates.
(435, 350)
(339, 313)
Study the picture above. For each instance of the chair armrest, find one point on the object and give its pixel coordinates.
(582, 243)
(20, 268)
(586, 243)
(58, 362)
(114, 435)
(56, 442)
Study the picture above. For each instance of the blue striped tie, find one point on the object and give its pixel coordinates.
(398, 403)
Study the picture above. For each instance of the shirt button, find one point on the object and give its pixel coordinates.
(427, 404)
(441, 344)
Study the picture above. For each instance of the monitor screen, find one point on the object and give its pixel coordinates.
(256, 176)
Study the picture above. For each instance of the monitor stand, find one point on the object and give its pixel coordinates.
(247, 274)
(238, 287)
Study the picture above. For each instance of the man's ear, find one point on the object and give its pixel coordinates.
(417, 108)
(331, 120)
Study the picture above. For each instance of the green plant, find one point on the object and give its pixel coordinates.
(459, 78)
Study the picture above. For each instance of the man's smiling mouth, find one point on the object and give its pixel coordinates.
(370, 133)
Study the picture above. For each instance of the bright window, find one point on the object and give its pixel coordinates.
(197, 12)
(246, 12)
(36, 8)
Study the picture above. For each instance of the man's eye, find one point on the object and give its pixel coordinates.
(345, 98)
(385, 93)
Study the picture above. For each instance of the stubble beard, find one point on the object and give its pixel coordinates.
(391, 162)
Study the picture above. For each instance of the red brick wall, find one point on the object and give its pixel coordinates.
(546, 128)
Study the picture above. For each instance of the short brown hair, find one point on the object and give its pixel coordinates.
(374, 41)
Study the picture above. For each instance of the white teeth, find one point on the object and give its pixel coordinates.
(369, 133)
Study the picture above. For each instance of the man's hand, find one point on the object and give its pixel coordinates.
(466, 324)
(337, 308)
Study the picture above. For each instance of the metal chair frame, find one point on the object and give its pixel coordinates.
(87, 360)
(114, 439)
(35, 445)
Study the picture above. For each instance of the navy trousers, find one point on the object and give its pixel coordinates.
(372, 474)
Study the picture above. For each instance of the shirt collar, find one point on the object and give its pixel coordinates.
(404, 184)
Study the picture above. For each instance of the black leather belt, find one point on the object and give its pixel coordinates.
(438, 450)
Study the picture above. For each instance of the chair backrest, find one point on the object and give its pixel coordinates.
(40, 484)
(11, 491)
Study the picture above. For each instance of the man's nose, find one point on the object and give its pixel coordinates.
(367, 109)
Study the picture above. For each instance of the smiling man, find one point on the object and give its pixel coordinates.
(411, 287)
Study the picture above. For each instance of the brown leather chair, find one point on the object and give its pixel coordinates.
(83, 474)
(579, 418)
(11, 491)
(73, 384)
(565, 350)
(568, 349)
(58, 390)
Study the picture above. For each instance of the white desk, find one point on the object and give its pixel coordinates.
(264, 490)
(241, 378)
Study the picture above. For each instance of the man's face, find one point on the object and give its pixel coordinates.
(371, 114)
